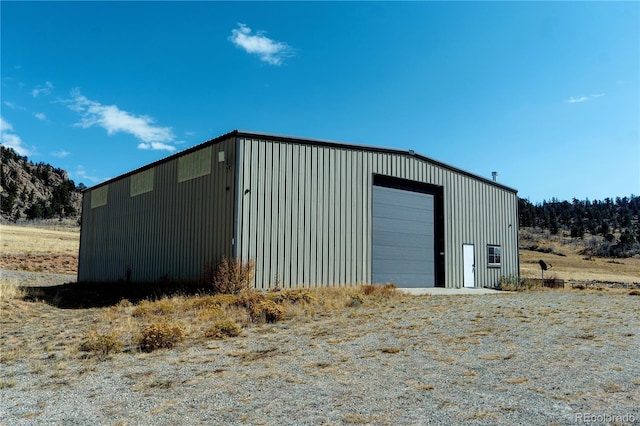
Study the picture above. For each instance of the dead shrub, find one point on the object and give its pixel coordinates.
(222, 329)
(386, 290)
(579, 286)
(292, 296)
(368, 289)
(230, 276)
(159, 336)
(266, 311)
(148, 308)
(101, 344)
(634, 293)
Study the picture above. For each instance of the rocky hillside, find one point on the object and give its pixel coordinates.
(35, 191)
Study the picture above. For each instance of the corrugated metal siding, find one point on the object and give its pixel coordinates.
(168, 231)
(305, 213)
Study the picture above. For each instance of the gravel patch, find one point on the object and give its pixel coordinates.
(36, 279)
(527, 358)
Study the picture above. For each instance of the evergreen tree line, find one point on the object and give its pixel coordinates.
(58, 204)
(616, 220)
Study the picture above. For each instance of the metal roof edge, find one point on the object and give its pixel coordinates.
(201, 145)
(409, 152)
(293, 139)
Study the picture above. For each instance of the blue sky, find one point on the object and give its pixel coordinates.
(547, 94)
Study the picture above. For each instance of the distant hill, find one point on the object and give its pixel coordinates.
(612, 225)
(35, 191)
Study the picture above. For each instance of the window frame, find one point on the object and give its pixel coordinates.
(494, 260)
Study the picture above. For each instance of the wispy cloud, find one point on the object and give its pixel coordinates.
(61, 154)
(10, 139)
(13, 105)
(81, 173)
(40, 116)
(269, 51)
(575, 100)
(156, 146)
(44, 89)
(114, 120)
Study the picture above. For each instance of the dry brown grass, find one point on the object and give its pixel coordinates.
(27, 239)
(573, 266)
(37, 249)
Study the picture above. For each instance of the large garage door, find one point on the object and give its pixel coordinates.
(403, 237)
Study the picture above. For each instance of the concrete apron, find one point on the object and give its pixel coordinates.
(450, 291)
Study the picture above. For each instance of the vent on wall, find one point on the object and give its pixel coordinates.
(142, 182)
(194, 165)
(99, 196)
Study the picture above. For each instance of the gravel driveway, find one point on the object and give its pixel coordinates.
(528, 358)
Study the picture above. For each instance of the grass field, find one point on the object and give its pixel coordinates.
(569, 264)
(52, 249)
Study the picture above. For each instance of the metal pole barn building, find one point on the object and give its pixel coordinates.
(308, 212)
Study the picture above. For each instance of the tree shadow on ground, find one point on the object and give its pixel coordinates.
(85, 295)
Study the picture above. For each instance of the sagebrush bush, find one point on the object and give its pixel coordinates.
(159, 336)
(222, 329)
(230, 276)
(292, 296)
(101, 344)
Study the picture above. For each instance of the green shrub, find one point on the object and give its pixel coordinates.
(159, 336)
(101, 344)
(223, 328)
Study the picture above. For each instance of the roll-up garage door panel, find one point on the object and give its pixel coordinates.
(403, 237)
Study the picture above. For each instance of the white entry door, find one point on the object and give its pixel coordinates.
(469, 265)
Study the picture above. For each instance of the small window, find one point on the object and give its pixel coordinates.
(494, 256)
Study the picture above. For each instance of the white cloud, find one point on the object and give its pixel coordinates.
(81, 173)
(156, 146)
(42, 89)
(9, 139)
(61, 154)
(114, 120)
(575, 100)
(13, 105)
(40, 116)
(270, 51)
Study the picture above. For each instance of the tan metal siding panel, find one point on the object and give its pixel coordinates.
(160, 233)
(310, 216)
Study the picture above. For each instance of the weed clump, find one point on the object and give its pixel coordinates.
(386, 290)
(148, 308)
(510, 283)
(292, 296)
(159, 336)
(222, 329)
(230, 276)
(101, 344)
